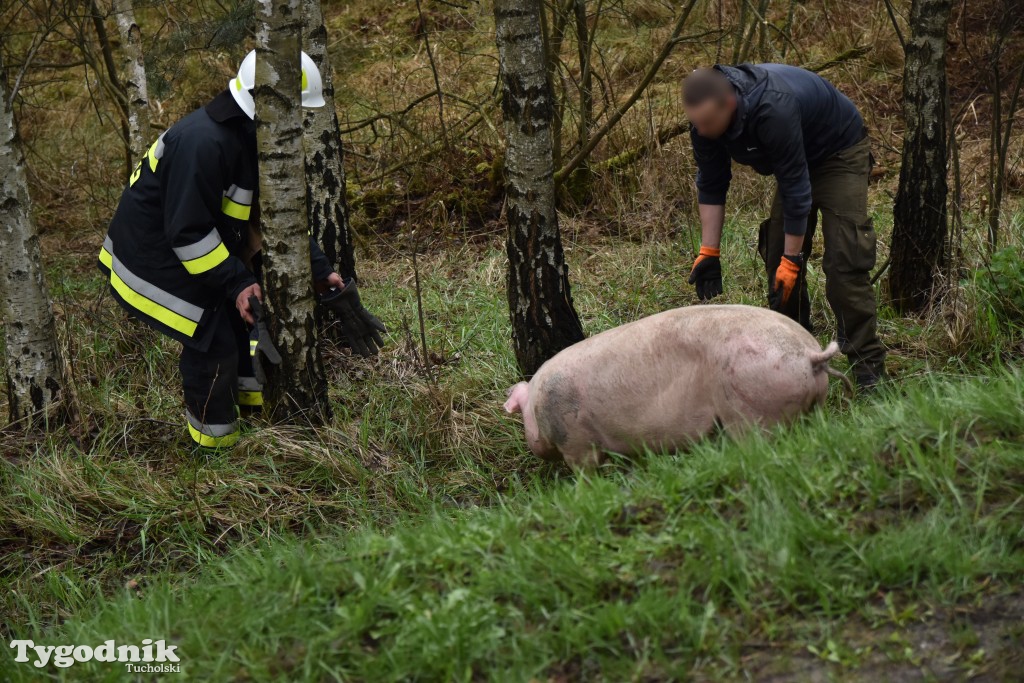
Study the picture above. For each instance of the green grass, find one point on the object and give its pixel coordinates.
(656, 571)
(414, 537)
(859, 513)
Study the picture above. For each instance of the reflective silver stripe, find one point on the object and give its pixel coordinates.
(200, 248)
(239, 195)
(249, 384)
(152, 292)
(159, 151)
(210, 430)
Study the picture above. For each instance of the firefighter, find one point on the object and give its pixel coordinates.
(795, 125)
(180, 254)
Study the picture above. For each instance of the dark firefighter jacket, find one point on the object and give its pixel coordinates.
(171, 251)
(787, 120)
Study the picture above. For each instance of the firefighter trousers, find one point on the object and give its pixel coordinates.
(219, 380)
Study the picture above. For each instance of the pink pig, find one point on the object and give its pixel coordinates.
(670, 379)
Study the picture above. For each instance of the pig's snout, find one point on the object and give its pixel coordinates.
(516, 398)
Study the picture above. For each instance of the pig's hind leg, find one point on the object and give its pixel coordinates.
(757, 400)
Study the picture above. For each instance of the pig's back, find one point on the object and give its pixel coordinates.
(659, 379)
(691, 334)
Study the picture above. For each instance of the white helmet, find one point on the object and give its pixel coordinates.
(241, 85)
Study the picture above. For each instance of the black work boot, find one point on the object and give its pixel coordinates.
(869, 375)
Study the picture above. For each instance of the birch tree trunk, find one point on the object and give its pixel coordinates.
(33, 367)
(544, 320)
(298, 386)
(326, 202)
(919, 214)
(133, 79)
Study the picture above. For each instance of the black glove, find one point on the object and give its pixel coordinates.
(706, 274)
(259, 342)
(361, 327)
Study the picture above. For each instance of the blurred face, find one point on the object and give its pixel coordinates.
(712, 117)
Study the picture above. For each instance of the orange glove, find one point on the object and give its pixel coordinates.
(786, 277)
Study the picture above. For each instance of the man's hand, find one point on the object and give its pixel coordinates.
(242, 302)
(787, 276)
(706, 274)
(334, 281)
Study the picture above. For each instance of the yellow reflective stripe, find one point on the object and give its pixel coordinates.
(205, 263)
(252, 347)
(305, 81)
(214, 441)
(212, 435)
(151, 291)
(250, 398)
(151, 308)
(235, 210)
(135, 174)
(151, 154)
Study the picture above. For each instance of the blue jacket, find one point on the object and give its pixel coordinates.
(787, 120)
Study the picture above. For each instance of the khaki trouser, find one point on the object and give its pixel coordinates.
(839, 190)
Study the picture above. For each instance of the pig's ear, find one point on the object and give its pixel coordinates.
(514, 404)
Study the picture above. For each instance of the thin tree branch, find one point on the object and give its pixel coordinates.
(28, 61)
(895, 24)
(599, 135)
(433, 69)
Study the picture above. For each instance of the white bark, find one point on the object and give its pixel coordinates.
(133, 68)
(298, 385)
(33, 368)
(325, 172)
(543, 318)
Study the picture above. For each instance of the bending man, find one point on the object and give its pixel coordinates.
(793, 124)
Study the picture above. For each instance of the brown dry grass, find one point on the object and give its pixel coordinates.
(400, 173)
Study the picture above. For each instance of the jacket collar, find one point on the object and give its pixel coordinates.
(223, 108)
(749, 82)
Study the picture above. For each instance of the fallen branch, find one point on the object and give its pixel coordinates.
(630, 157)
(851, 54)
